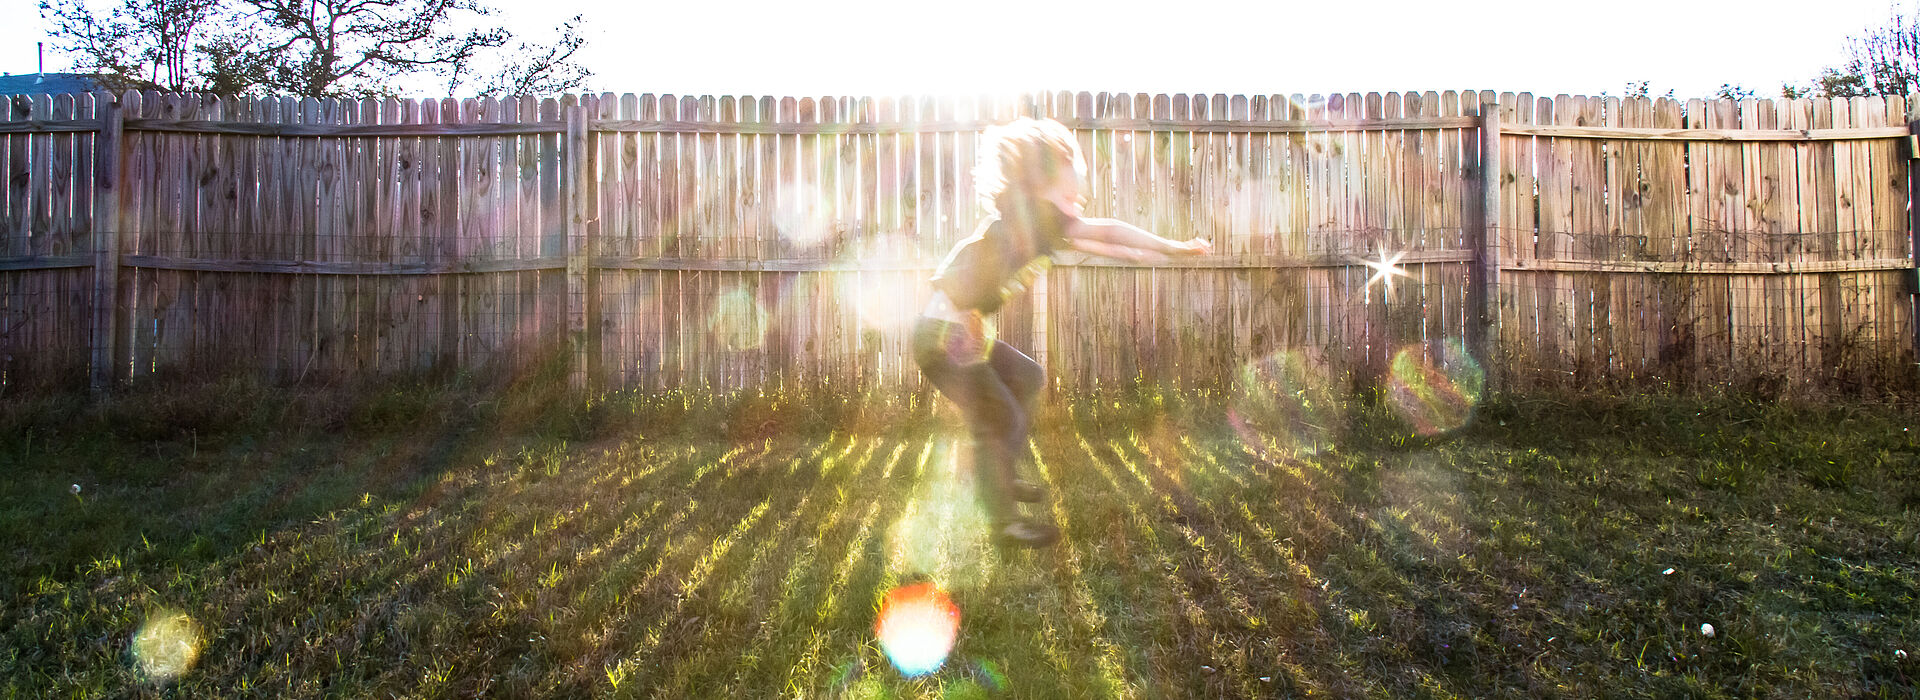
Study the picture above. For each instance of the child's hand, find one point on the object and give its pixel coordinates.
(1198, 246)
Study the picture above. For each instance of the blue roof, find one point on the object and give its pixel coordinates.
(55, 83)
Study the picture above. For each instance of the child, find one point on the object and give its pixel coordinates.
(1029, 181)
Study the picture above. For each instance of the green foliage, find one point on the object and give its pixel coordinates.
(1729, 91)
(1881, 60)
(1834, 83)
(1643, 88)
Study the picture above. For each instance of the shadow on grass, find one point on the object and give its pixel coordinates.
(481, 543)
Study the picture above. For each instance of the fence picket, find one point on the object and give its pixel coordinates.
(742, 241)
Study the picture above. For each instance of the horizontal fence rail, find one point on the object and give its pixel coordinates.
(744, 242)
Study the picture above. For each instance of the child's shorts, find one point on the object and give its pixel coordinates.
(948, 343)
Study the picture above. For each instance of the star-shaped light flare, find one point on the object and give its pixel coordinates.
(1386, 268)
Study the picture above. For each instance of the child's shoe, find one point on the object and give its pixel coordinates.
(1028, 492)
(1024, 533)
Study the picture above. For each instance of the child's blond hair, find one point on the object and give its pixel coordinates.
(1024, 157)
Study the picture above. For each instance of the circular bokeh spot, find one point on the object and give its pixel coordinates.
(886, 300)
(1284, 401)
(167, 645)
(738, 320)
(1435, 392)
(916, 628)
(800, 217)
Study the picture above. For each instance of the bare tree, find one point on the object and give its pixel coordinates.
(312, 48)
(137, 43)
(538, 68)
(1888, 57)
(1883, 61)
(356, 47)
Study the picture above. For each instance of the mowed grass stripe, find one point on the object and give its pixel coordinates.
(276, 585)
(1183, 622)
(615, 606)
(1295, 518)
(795, 586)
(1521, 561)
(1234, 627)
(604, 535)
(1103, 663)
(648, 653)
(543, 559)
(626, 512)
(693, 672)
(1295, 625)
(269, 578)
(842, 616)
(619, 579)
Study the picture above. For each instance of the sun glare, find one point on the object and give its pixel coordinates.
(1385, 269)
(167, 645)
(916, 628)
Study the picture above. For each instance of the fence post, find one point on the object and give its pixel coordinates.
(1483, 284)
(578, 211)
(1913, 232)
(1042, 335)
(106, 245)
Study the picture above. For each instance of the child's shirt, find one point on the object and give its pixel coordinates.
(986, 269)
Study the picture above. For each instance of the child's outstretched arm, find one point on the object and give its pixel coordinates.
(1120, 240)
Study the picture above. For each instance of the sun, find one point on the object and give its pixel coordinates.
(1386, 268)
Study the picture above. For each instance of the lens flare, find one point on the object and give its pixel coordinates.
(167, 645)
(1435, 392)
(989, 675)
(942, 531)
(1385, 269)
(800, 219)
(916, 628)
(737, 320)
(1284, 400)
(885, 300)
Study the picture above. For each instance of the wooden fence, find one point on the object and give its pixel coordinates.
(725, 242)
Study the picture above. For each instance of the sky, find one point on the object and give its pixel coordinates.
(909, 47)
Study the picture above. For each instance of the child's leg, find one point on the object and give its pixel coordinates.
(994, 416)
(1024, 379)
(1020, 373)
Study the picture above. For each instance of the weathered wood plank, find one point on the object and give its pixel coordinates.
(1553, 354)
(1783, 232)
(704, 192)
(578, 209)
(1714, 239)
(553, 224)
(1890, 219)
(15, 235)
(57, 236)
(1766, 212)
(1589, 225)
(1730, 135)
(30, 125)
(173, 336)
(148, 149)
(446, 295)
(106, 196)
(1641, 213)
(33, 222)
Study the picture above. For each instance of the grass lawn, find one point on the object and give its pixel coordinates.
(442, 542)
